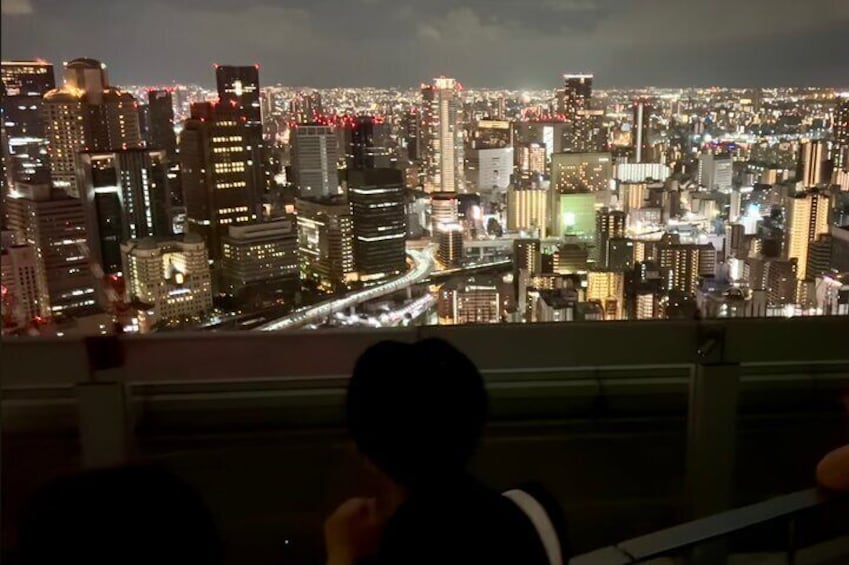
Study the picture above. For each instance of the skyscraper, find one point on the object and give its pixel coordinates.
(326, 241)
(840, 149)
(376, 197)
(812, 164)
(607, 288)
(125, 196)
(19, 280)
(87, 114)
(442, 134)
(575, 95)
(610, 224)
(581, 172)
(449, 238)
(161, 127)
(527, 257)
(716, 172)
(683, 265)
(24, 83)
(527, 209)
(219, 173)
(314, 160)
(238, 86)
(369, 146)
(640, 131)
(260, 260)
(55, 226)
(807, 218)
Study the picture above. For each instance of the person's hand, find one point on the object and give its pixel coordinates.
(353, 531)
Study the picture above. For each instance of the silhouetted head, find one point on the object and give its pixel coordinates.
(416, 410)
(131, 515)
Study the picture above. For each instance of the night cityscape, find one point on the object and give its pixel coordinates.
(551, 282)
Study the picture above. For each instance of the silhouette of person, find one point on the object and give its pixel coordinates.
(416, 412)
(130, 515)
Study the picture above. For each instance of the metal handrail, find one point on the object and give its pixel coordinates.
(687, 535)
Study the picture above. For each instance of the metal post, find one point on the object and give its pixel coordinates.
(714, 393)
(103, 412)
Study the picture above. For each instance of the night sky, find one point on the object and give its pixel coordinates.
(496, 43)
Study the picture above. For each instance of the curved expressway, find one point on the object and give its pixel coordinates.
(422, 266)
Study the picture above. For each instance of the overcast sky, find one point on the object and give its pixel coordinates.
(497, 43)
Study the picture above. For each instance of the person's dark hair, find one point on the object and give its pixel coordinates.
(133, 515)
(416, 410)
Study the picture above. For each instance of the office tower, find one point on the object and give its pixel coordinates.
(376, 197)
(839, 248)
(573, 214)
(530, 158)
(370, 144)
(736, 245)
(807, 217)
(125, 196)
(494, 169)
(716, 172)
(54, 224)
(442, 134)
(527, 209)
(608, 289)
(491, 134)
(640, 128)
(259, 261)
(781, 277)
(840, 149)
(24, 84)
(412, 131)
(449, 239)
(444, 209)
(610, 224)
(326, 242)
(812, 164)
(475, 300)
(646, 305)
(19, 279)
(171, 275)
(161, 122)
(314, 160)
(588, 133)
(306, 107)
(238, 87)
(86, 114)
(581, 172)
(683, 265)
(527, 257)
(218, 172)
(575, 95)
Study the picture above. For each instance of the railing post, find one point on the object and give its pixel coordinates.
(103, 414)
(712, 428)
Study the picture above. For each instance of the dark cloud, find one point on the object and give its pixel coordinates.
(514, 43)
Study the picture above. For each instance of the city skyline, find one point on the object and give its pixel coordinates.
(324, 44)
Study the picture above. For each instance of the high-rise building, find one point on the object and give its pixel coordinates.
(819, 256)
(219, 173)
(620, 254)
(444, 209)
(54, 224)
(716, 172)
(369, 144)
(840, 149)
(125, 196)
(449, 238)
(610, 224)
(806, 218)
(259, 261)
(527, 209)
(238, 86)
(24, 84)
(161, 122)
(527, 257)
(607, 288)
(170, 275)
(575, 95)
(314, 160)
(326, 241)
(494, 169)
(378, 211)
(641, 126)
(781, 281)
(442, 134)
(581, 172)
(683, 265)
(86, 114)
(19, 279)
(812, 164)
(573, 214)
